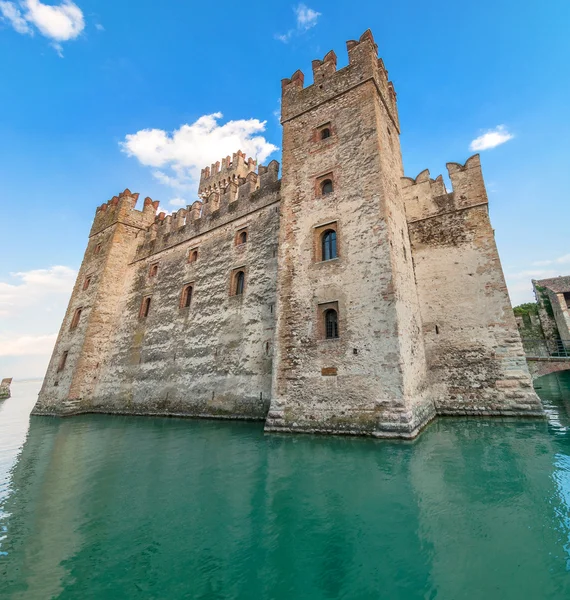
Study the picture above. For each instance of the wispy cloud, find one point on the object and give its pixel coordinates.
(177, 157)
(27, 345)
(37, 287)
(561, 260)
(11, 14)
(306, 18)
(59, 23)
(491, 139)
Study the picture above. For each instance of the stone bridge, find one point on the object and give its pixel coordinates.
(544, 366)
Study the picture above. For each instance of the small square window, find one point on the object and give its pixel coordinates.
(324, 132)
(324, 185)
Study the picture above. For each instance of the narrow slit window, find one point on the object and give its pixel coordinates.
(331, 324)
(186, 296)
(86, 283)
(62, 361)
(329, 245)
(153, 272)
(97, 249)
(327, 187)
(76, 317)
(239, 283)
(145, 307)
(193, 256)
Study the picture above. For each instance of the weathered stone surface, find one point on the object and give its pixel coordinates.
(424, 320)
(5, 388)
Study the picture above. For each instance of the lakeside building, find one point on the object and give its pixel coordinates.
(342, 298)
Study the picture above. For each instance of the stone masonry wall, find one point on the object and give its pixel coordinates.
(364, 381)
(112, 244)
(211, 359)
(476, 362)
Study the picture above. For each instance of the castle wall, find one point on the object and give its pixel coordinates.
(368, 380)
(214, 357)
(425, 325)
(476, 362)
(82, 349)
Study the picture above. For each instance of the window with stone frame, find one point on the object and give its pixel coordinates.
(241, 236)
(145, 307)
(328, 321)
(153, 271)
(324, 132)
(76, 318)
(238, 282)
(324, 185)
(193, 255)
(326, 242)
(86, 282)
(186, 296)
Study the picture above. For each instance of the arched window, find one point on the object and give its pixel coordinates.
(325, 133)
(242, 237)
(239, 283)
(193, 256)
(329, 244)
(331, 324)
(186, 296)
(153, 271)
(327, 187)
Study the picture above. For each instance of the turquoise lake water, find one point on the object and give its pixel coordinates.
(124, 507)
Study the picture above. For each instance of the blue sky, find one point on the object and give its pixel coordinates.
(84, 81)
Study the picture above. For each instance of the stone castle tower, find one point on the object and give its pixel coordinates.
(343, 298)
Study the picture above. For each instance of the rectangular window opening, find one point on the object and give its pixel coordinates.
(62, 361)
(76, 317)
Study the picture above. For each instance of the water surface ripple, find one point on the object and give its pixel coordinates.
(123, 507)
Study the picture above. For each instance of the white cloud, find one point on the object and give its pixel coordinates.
(561, 260)
(39, 287)
(520, 286)
(306, 18)
(179, 202)
(99, 27)
(491, 139)
(59, 23)
(27, 345)
(11, 14)
(32, 306)
(179, 156)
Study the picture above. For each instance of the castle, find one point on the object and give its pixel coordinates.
(341, 298)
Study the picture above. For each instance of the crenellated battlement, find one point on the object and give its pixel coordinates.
(328, 82)
(222, 204)
(221, 174)
(425, 197)
(121, 208)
